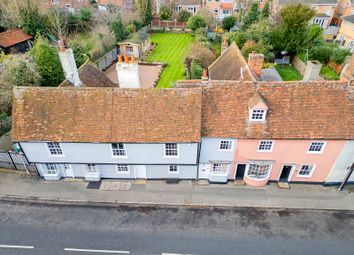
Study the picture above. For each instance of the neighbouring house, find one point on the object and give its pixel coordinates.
(192, 6)
(136, 45)
(71, 5)
(15, 40)
(325, 9)
(123, 4)
(223, 8)
(231, 65)
(345, 36)
(109, 132)
(266, 127)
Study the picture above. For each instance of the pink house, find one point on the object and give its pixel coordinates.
(280, 131)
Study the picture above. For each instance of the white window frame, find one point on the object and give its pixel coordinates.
(316, 152)
(119, 156)
(251, 112)
(224, 169)
(265, 141)
(306, 176)
(121, 166)
(55, 149)
(173, 172)
(171, 156)
(256, 178)
(46, 171)
(226, 141)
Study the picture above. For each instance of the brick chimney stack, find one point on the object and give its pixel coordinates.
(255, 62)
(128, 72)
(67, 61)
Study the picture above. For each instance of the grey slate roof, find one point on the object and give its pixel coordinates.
(271, 74)
(349, 18)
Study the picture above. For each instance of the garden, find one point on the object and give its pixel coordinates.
(172, 48)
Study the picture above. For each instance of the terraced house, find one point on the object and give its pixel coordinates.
(219, 131)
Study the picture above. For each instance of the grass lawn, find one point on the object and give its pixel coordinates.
(328, 73)
(171, 49)
(289, 73)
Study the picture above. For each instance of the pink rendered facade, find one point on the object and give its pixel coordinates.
(292, 153)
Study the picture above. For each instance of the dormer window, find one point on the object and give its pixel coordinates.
(257, 107)
(258, 115)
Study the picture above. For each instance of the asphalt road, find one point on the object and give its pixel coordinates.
(39, 229)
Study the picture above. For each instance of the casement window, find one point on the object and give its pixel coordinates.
(219, 168)
(91, 168)
(118, 150)
(216, 10)
(351, 44)
(50, 169)
(171, 150)
(55, 1)
(258, 115)
(122, 169)
(173, 169)
(259, 171)
(316, 147)
(306, 170)
(265, 145)
(225, 145)
(55, 149)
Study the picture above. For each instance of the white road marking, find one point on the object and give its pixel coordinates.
(177, 254)
(97, 251)
(16, 246)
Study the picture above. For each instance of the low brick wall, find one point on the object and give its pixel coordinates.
(299, 65)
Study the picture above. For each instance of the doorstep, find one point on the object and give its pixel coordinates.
(283, 185)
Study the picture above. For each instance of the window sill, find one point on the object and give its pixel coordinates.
(120, 157)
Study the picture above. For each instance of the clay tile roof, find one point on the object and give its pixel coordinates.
(256, 99)
(106, 115)
(228, 66)
(316, 110)
(91, 77)
(13, 37)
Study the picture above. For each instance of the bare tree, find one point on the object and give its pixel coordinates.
(58, 20)
(202, 54)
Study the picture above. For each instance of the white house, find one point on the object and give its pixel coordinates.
(96, 133)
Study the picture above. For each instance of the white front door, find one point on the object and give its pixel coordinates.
(68, 171)
(204, 170)
(140, 172)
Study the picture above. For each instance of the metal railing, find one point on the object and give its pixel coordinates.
(16, 161)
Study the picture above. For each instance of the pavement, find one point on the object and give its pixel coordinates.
(14, 186)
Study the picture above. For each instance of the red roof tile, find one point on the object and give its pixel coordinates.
(13, 37)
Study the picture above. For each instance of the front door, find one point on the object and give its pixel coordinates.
(285, 172)
(240, 171)
(68, 170)
(140, 172)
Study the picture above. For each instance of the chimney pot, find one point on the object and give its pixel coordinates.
(132, 58)
(205, 74)
(120, 58)
(126, 59)
(61, 45)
